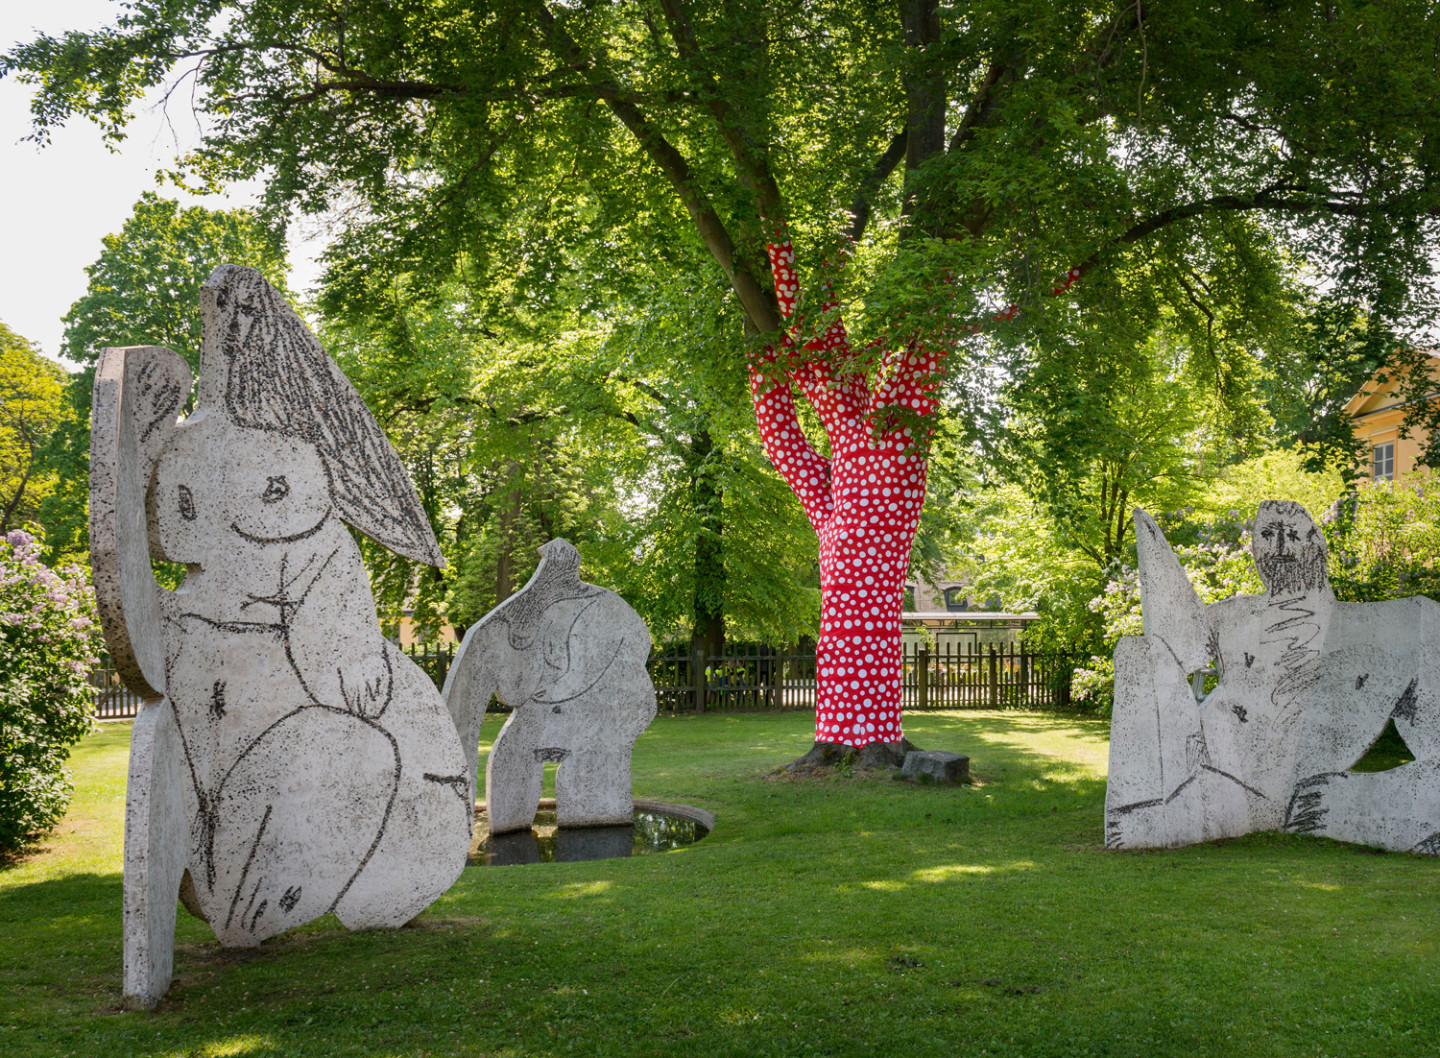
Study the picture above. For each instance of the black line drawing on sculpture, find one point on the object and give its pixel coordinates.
(569, 659)
(316, 763)
(1272, 745)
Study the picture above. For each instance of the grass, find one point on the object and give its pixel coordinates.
(841, 916)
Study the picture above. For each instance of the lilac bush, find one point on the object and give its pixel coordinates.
(49, 641)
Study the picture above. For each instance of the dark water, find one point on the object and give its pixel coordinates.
(653, 831)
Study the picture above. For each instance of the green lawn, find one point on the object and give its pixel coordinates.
(851, 915)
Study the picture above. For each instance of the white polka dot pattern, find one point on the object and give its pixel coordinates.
(864, 502)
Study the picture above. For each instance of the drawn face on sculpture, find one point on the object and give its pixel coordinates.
(280, 493)
(280, 443)
(1288, 548)
(217, 481)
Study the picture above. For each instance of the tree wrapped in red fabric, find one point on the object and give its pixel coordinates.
(863, 500)
(1192, 160)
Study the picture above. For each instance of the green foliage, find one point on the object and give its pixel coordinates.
(1186, 158)
(594, 433)
(1385, 540)
(1103, 432)
(144, 289)
(1019, 551)
(1200, 168)
(49, 641)
(1336, 350)
(1233, 496)
(712, 534)
(32, 408)
(1015, 550)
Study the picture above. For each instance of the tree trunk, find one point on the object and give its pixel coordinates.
(708, 594)
(507, 533)
(863, 501)
(924, 82)
(864, 556)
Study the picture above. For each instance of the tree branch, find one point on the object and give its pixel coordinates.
(751, 163)
(757, 302)
(1277, 197)
(647, 389)
(983, 105)
(870, 184)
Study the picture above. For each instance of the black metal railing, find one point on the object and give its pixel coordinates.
(750, 678)
(947, 677)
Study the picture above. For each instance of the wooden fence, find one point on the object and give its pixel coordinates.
(113, 700)
(434, 658)
(768, 678)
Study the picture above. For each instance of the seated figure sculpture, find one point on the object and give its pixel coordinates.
(1305, 686)
(568, 658)
(289, 761)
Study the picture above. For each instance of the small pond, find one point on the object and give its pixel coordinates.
(659, 827)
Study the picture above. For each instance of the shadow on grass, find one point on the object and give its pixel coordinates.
(850, 915)
(70, 898)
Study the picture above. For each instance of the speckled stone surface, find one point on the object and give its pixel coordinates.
(569, 659)
(1305, 686)
(936, 765)
(138, 393)
(156, 831)
(1381, 663)
(317, 767)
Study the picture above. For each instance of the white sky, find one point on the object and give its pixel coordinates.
(58, 202)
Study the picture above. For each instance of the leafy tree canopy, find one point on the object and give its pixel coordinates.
(589, 433)
(32, 406)
(1199, 168)
(541, 140)
(144, 289)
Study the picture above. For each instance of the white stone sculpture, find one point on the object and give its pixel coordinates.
(1305, 686)
(1381, 663)
(569, 659)
(289, 760)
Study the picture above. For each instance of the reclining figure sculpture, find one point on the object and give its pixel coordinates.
(289, 761)
(1306, 684)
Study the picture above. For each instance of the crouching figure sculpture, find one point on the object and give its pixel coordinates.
(1306, 684)
(289, 761)
(569, 659)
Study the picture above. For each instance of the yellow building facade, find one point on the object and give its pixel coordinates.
(1377, 413)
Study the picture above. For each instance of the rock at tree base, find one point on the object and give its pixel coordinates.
(837, 754)
(939, 765)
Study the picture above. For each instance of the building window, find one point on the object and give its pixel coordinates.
(1384, 462)
(908, 605)
(955, 601)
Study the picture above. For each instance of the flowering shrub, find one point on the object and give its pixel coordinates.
(1217, 569)
(1385, 538)
(49, 639)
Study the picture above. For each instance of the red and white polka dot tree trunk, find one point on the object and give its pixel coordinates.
(863, 501)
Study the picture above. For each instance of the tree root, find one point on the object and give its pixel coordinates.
(837, 755)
